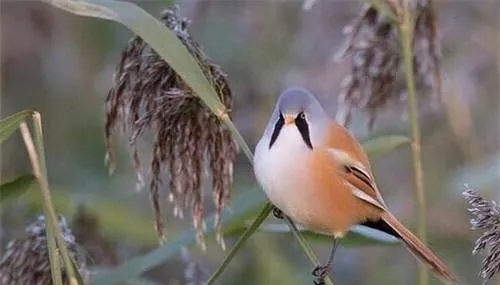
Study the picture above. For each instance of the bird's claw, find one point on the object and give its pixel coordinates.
(320, 273)
(278, 213)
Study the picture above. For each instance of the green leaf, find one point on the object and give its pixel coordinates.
(163, 41)
(379, 146)
(11, 123)
(355, 237)
(16, 187)
(138, 265)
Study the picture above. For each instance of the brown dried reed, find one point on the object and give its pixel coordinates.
(147, 94)
(373, 44)
(485, 216)
(26, 260)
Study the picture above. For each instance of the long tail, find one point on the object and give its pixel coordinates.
(418, 249)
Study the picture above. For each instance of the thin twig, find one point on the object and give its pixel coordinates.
(407, 29)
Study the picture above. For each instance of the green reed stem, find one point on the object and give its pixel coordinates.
(57, 245)
(55, 266)
(244, 237)
(305, 246)
(407, 29)
(63, 250)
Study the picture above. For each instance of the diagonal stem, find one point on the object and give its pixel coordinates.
(244, 237)
(305, 246)
(61, 244)
(51, 241)
(407, 30)
(55, 240)
(251, 229)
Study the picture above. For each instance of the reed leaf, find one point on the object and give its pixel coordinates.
(16, 187)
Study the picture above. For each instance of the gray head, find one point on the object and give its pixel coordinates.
(297, 107)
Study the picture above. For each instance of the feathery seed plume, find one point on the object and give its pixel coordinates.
(147, 94)
(373, 44)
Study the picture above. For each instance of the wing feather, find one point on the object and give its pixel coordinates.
(358, 178)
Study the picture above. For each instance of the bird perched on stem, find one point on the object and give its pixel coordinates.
(315, 172)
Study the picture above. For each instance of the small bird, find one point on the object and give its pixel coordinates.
(315, 172)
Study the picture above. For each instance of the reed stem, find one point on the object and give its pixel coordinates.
(56, 242)
(55, 262)
(407, 29)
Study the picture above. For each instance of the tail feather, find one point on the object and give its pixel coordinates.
(419, 250)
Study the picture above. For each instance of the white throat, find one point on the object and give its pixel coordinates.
(277, 168)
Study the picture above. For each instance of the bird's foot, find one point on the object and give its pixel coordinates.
(320, 273)
(278, 213)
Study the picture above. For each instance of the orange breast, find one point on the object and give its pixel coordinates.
(332, 206)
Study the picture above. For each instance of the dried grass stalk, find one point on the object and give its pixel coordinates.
(148, 94)
(374, 49)
(485, 216)
(26, 260)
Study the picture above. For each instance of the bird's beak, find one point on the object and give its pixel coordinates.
(289, 119)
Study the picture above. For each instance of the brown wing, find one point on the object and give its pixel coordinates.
(354, 164)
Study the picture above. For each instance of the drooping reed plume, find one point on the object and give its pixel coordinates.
(147, 94)
(485, 217)
(373, 46)
(26, 259)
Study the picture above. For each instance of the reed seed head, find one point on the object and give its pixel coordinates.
(147, 94)
(485, 217)
(373, 46)
(26, 259)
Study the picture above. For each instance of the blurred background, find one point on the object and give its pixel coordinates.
(62, 66)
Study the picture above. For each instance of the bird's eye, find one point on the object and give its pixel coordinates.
(301, 116)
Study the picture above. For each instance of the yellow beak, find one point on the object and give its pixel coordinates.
(289, 119)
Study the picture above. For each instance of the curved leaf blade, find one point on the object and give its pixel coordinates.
(16, 187)
(357, 236)
(381, 145)
(164, 42)
(9, 124)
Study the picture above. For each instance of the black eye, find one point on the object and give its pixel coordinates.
(301, 116)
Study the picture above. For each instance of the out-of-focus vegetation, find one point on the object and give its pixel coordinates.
(62, 65)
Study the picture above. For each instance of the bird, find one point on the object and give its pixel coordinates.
(314, 171)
